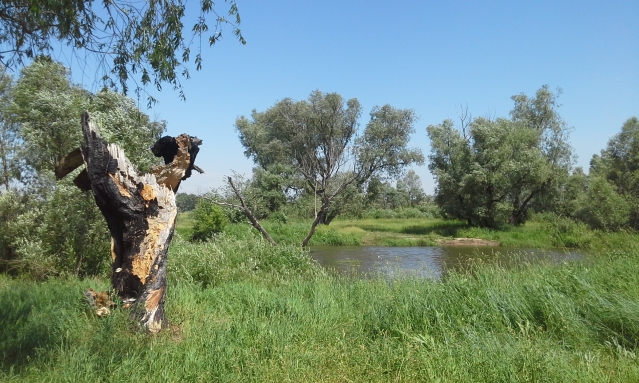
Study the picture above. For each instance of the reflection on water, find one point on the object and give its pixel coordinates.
(429, 262)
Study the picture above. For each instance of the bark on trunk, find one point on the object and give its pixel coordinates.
(140, 212)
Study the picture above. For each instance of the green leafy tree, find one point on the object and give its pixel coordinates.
(541, 114)
(10, 163)
(186, 202)
(57, 228)
(601, 207)
(273, 185)
(490, 173)
(410, 187)
(47, 106)
(619, 165)
(318, 138)
(144, 40)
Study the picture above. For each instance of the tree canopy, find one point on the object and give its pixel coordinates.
(143, 41)
(618, 164)
(318, 138)
(49, 227)
(490, 173)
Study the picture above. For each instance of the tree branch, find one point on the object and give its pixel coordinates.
(246, 211)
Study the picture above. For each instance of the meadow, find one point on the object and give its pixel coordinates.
(243, 310)
(542, 231)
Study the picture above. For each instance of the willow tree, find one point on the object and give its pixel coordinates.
(491, 171)
(140, 41)
(319, 139)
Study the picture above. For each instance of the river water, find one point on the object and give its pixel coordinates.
(428, 262)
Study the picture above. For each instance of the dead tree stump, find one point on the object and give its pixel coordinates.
(140, 212)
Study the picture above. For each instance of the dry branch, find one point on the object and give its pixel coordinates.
(246, 210)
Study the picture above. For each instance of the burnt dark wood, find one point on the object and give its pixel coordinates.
(140, 212)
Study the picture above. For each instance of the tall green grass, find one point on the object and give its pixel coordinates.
(242, 310)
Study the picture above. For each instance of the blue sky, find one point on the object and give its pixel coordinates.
(430, 56)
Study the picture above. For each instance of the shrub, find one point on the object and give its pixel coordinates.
(565, 232)
(278, 217)
(209, 219)
(602, 208)
(60, 233)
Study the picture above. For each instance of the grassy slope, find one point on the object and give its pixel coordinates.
(244, 311)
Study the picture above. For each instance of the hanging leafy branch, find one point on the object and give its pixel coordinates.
(130, 40)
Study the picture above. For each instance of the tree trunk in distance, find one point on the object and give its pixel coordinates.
(140, 212)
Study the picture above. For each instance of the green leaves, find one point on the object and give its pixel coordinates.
(490, 174)
(209, 220)
(144, 39)
(618, 165)
(317, 138)
(48, 107)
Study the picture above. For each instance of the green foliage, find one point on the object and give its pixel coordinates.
(400, 213)
(10, 161)
(145, 40)
(209, 219)
(317, 137)
(601, 207)
(488, 172)
(48, 107)
(619, 165)
(410, 187)
(564, 231)
(186, 202)
(63, 234)
(270, 186)
(51, 227)
(278, 217)
(271, 315)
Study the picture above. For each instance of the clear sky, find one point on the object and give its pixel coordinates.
(430, 56)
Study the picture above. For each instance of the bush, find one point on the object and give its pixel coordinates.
(602, 208)
(233, 214)
(209, 219)
(565, 232)
(278, 217)
(430, 209)
(60, 233)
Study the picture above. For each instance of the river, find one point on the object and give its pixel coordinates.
(429, 262)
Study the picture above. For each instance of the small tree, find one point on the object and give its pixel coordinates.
(209, 219)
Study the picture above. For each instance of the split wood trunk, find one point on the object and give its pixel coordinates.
(140, 212)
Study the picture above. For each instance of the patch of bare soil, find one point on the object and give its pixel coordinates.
(467, 242)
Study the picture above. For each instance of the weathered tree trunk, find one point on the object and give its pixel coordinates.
(140, 212)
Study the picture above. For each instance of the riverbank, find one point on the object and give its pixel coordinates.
(242, 310)
(541, 232)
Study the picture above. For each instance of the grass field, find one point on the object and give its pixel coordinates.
(241, 310)
(540, 232)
